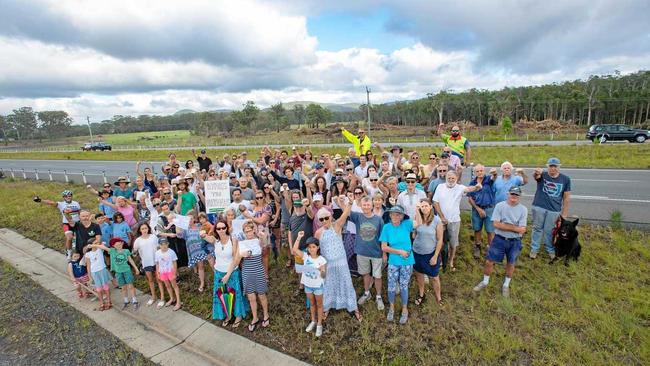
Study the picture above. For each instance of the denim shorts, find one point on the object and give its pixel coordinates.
(478, 222)
(124, 278)
(502, 247)
(318, 291)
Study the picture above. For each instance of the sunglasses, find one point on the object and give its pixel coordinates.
(416, 157)
(107, 186)
(442, 171)
(267, 187)
(259, 198)
(349, 169)
(220, 228)
(167, 193)
(455, 130)
(190, 163)
(374, 180)
(432, 157)
(410, 181)
(156, 204)
(322, 219)
(356, 193)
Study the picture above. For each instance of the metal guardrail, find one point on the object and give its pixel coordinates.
(66, 176)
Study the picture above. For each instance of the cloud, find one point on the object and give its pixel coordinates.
(235, 33)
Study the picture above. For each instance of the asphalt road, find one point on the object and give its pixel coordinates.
(596, 192)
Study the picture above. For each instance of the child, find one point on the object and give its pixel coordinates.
(78, 274)
(145, 245)
(98, 274)
(165, 259)
(121, 229)
(120, 261)
(105, 224)
(205, 223)
(313, 280)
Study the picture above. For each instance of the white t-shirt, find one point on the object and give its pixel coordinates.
(312, 279)
(410, 200)
(96, 260)
(361, 171)
(146, 249)
(165, 260)
(73, 205)
(449, 200)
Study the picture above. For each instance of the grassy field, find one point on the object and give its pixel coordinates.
(585, 156)
(596, 312)
(297, 136)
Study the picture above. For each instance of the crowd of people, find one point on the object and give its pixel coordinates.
(378, 213)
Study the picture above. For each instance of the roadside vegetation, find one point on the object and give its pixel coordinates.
(596, 311)
(631, 156)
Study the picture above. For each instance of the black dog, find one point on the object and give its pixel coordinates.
(566, 241)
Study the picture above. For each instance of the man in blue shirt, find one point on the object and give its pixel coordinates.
(482, 202)
(510, 225)
(551, 200)
(506, 180)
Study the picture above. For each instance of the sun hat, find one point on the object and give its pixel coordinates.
(115, 240)
(398, 209)
(121, 180)
(323, 212)
(396, 147)
(411, 176)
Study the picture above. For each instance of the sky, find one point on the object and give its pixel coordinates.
(104, 58)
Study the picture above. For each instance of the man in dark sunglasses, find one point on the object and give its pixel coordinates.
(458, 144)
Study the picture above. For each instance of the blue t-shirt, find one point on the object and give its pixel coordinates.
(550, 191)
(502, 186)
(484, 197)
(121, 230)
(107, 232)
(433, 184)
(398, 237)
(366, 242)
(514, 215)
(107, 210)
(126, 193)
(78, 269)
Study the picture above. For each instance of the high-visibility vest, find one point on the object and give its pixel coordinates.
(456, 144)
(360, 147)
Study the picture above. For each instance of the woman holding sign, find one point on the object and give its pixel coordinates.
(196, 248)
(255, 283)
(228, 300)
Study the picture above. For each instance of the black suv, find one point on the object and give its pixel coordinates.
(95, 146)
(605, 133)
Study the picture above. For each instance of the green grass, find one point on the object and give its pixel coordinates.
(597, 311)
(631, 156)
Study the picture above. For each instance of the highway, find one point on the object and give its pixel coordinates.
(596, 193)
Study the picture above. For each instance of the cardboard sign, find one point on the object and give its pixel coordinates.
(252, 245)
(217, 195)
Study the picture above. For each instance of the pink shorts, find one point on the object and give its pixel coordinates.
(167, 276)
(82, 280)
(66, 229)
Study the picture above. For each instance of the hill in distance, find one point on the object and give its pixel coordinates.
(334, 107)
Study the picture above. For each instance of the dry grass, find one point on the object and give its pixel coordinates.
(597, 311)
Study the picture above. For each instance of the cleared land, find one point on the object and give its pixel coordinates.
(39, 329)
(631, 156)
(597, 311)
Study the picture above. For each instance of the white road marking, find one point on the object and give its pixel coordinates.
(600, 198)
(606, 180)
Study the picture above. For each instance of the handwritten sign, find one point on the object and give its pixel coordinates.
(252, 245)
(181, 221)
(217, 195)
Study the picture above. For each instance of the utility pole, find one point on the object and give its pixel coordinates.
(368, 106)
(89, 129)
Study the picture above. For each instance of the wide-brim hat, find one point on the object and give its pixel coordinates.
(398, 209)
(121, 180)
(396, 147)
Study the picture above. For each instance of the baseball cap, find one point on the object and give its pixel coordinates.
(444, 155)
(553, 161)
(373, 175)
(317, 197)
(338, 170)
(337, 156)
(203, 151)
(318, 166)
(233, 175)
(515, 190)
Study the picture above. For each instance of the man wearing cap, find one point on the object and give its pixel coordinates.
(458, 144)
(551, 200)
(410, 198)
(361, 142)
(203, 160)
(509, 220)
(482, 202)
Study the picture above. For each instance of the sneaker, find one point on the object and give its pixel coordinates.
(505, 291)
(160, 305)
(481, 285)
(319, 331)
(532, 255)
(477, 251)
(403, 318)
(363, 298)
(391, 315)
(150, 302)
(380, 303)
(551, 256)
(68, 254)
(126, 305)
(136, 305)
(310, 327)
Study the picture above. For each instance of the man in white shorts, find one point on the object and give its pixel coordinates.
(446, 200)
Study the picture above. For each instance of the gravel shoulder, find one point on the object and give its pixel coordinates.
(40, 329)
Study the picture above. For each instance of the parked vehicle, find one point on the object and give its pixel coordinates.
(96, 146)
(604, 133)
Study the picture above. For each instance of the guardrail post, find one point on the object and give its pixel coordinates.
(83, 177)
(128, 177)
(12, 174)
(551, 137)
(36, 174)
(104, 176)
(65, 174)
(24, 175)
(49, 172)
(526, 137)
(577, 134)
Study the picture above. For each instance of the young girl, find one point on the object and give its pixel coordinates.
(120, 261)
(78, 274)
(146, 245)
(99, 275)
(165, 259)
(313, 281)
(255, 283)
(121, 228)
(205, 223)
(197, 250)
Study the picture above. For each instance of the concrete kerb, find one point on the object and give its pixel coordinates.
(166, 337)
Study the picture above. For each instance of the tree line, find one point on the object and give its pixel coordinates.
(613, 98)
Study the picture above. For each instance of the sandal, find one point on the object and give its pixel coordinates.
(420, 299)
(177, 307)
(266, 322)
(108, 306)
(226, 322)
(325, 314)
(288, 265)
(201, 289)
(453, 268)
(357, 315)
(440, 303)
(236, 324)
(252, 326)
